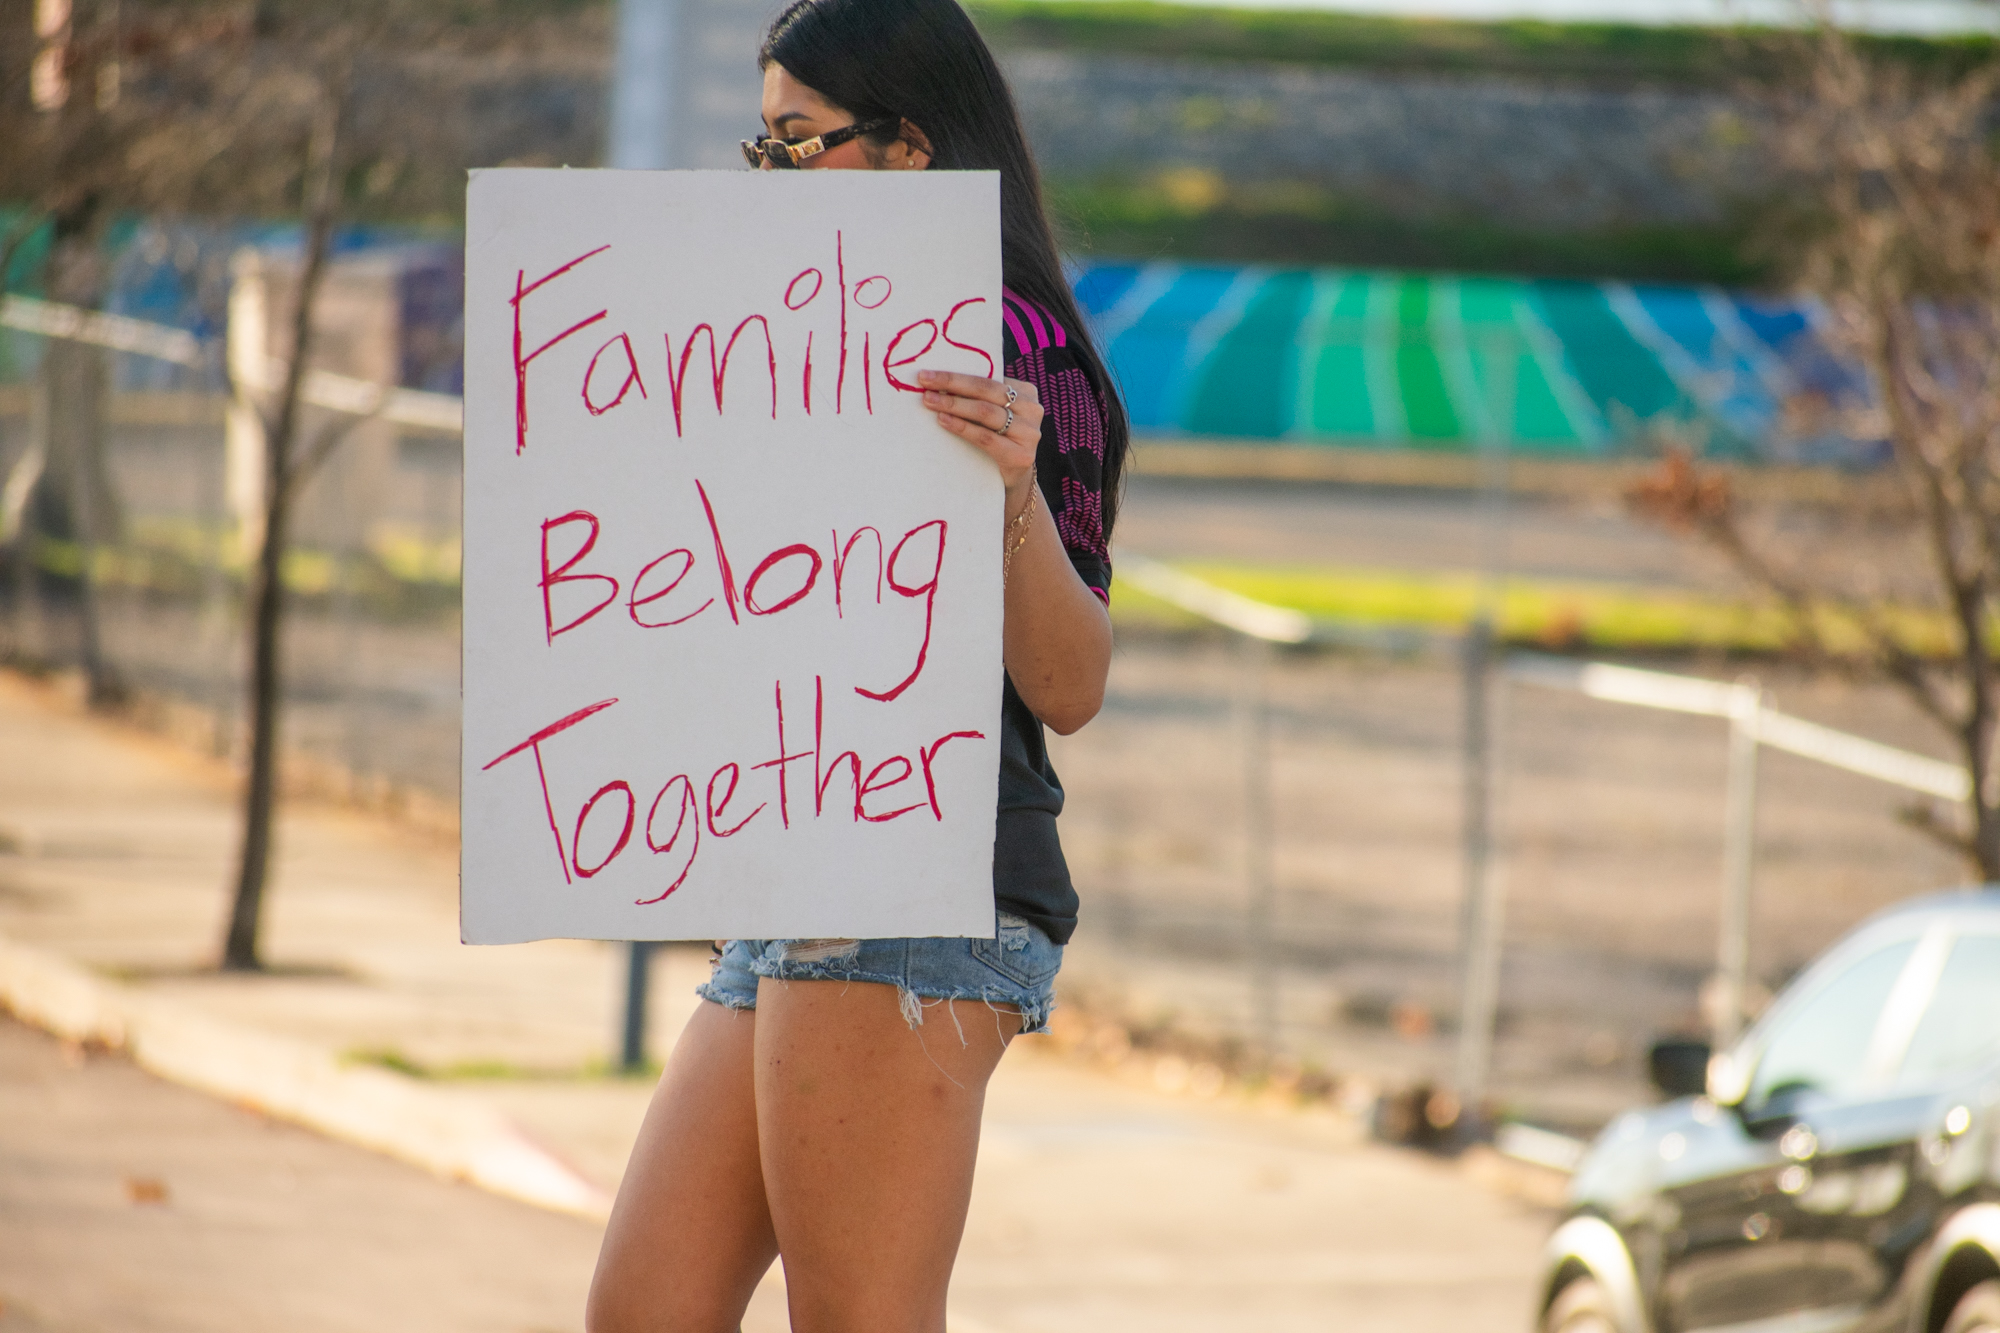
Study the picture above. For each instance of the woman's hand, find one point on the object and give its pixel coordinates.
(1001, 418)
(1057, 636)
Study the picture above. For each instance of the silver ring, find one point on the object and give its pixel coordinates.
(1010, 419)
(1012, 394)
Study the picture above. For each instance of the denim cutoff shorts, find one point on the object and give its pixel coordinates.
(1016, 967)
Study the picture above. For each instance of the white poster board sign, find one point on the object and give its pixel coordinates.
(732, 595)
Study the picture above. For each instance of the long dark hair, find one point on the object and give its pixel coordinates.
(924, 62)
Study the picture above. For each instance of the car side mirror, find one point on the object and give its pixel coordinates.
(1679, 1067)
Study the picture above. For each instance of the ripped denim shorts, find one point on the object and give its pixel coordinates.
(1016, 967)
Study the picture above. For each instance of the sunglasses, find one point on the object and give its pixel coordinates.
(786, 154)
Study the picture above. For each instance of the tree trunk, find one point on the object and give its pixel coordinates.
(239, 951)
(240, 947)
(79, 503)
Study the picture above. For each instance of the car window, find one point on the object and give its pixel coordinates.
(1821, 1041)
(1961, 1028)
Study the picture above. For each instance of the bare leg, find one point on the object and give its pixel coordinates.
(690, 1235)
(870, 1131)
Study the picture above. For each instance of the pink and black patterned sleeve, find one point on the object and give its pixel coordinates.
(1070, 462)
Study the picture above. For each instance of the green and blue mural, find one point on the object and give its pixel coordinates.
(1339, 357)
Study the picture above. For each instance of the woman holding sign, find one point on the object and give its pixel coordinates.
(825, 1104)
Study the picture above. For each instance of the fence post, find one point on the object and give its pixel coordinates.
(1120, 917)
(632, 1036)
(1739, 863)
(1259, 875)
(1480, 929)
(30, 641)
(645, 86)
(247, 349)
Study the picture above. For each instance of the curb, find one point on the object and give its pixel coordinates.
(375, 1109)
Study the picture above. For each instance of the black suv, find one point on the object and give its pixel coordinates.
(1840, 1169)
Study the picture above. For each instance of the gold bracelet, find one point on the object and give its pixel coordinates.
(1017, 531)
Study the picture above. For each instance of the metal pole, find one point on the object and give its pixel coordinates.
(1480, 927)
(212, 616)
(1739, 863)
(1121, 912)
(643, 86)
(638, 972)
(1476, 664)
(1259, 877)
(1480, 930)
(347, 612)
(17, 516)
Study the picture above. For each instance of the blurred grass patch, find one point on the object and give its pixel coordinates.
(1559, 616)
(406, 576)
(399, 573)
(489, 1070)
(1604, 54)
(389, 1058)
(1193, 214)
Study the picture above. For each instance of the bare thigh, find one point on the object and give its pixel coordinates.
(690, 1235)
(870, 1132)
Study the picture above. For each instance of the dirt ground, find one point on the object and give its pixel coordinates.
(1611, 851)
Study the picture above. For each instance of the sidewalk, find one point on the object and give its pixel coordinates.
(1098, 1206)
(198, 1215)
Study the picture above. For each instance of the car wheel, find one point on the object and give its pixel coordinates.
(1978, 1311)
(1580, 1307)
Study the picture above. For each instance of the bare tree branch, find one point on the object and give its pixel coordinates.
(1896, 221)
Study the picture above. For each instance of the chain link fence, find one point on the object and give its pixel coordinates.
(1268, 840)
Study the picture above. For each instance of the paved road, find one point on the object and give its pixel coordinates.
(1101, 1207)
(131, 1206)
